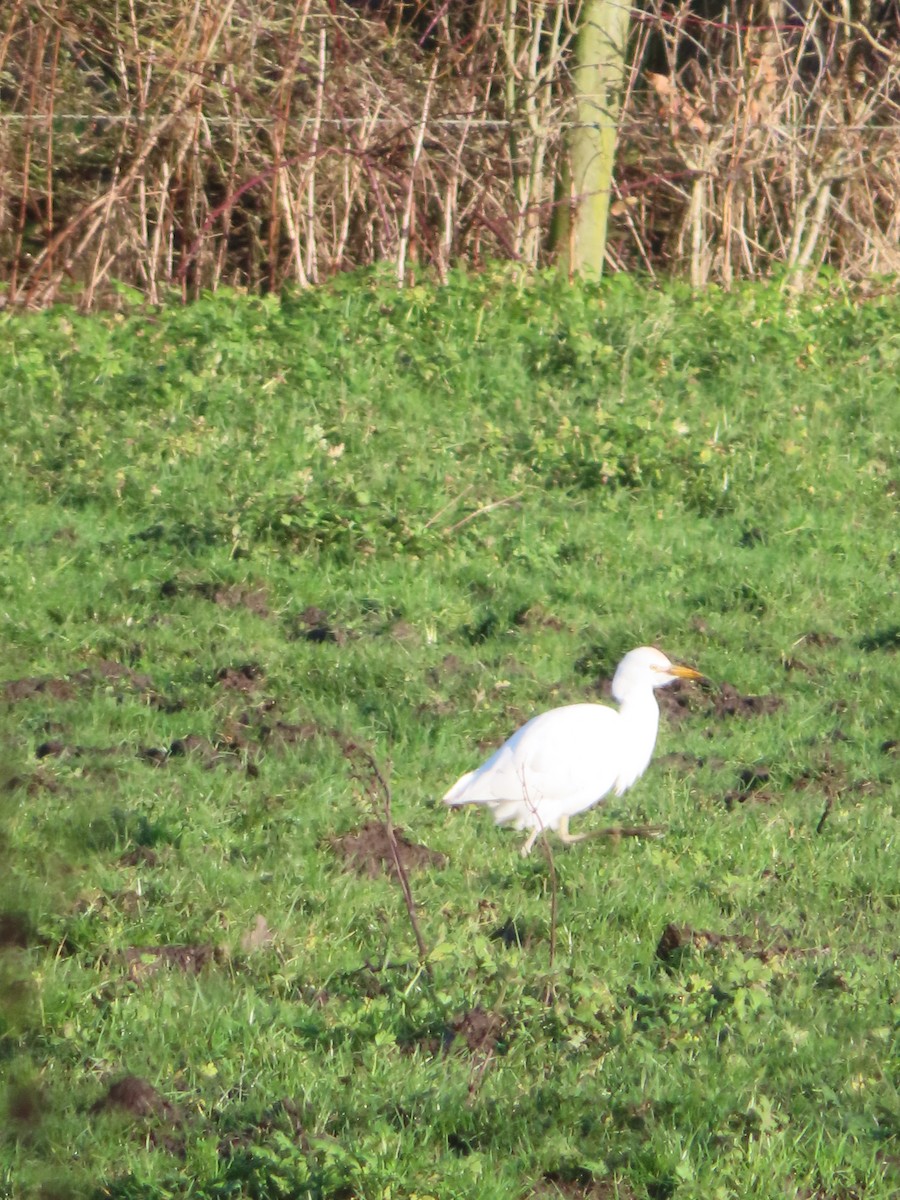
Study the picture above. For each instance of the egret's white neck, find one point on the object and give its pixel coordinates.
(640, 724)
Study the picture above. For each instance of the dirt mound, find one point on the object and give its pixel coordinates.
(138, 1098)
(315, 625)
(751, 786)
(247, 677)
(143, 961)
(367, 851)
(578, 1184)
(15, 690)
(479, 1029)
(728, 702)
(226, 595)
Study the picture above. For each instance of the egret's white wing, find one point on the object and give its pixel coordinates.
(559, 763)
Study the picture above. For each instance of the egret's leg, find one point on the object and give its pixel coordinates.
(529, 842)
(562, 832)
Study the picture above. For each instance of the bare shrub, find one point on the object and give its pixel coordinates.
(177, 148)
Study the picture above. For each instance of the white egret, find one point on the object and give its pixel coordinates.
(564, 761)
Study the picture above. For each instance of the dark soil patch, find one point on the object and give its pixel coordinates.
(247, 677)
(796, 664)
(140, 856)
(15, 690)
(138, 1098)
(479, 1029)
(117, 672)
(728, 702)
(535, 616)
(512, 933)
(67, 688)
(37, 781)
(282, 733)
(677, 940)
(142, 962)
(233, 595)
(751, 786)
(680, 761)
(576, 1183)
(675, 702)
(315, 625)
(283, 1116)
(818, 639)
(25, 1107)
(17, 931)
(882, 639)
(368, 851)
(56, 748)
(134, 1097)
(402, 631)
(890, 747)
(194, 745)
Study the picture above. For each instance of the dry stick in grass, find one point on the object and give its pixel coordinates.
(353, 750)
(485, 508)
(829, 804)
(554, 912)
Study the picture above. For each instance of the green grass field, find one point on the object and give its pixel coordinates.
(245, 537)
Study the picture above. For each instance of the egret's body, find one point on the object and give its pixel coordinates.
(565, 761)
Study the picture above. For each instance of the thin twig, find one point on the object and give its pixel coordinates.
(486, 508)
(554, 912)
(354, 750)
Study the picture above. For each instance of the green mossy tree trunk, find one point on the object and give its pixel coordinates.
(598, 76)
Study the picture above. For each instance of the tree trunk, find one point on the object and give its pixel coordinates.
(598, 76)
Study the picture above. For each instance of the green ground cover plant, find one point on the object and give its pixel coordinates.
(260, 551)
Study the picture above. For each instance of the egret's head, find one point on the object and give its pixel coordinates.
(646, 668)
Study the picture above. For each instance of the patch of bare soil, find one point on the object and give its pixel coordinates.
(578, 1184)
(751, 786)
(284, 1115)
(140, 856)
(675, 702)
(247, 677)
(25, 1107)
(728, 702)
(368, 851)
(67, 687)
(17, 931)
(141, 962)
(479, 1029)
(33, 783)
(226, 595)
(677, 940)
(315, 625)
(137, 1097)
(512, 933)
(15, 690)
(134, 1097)
(535, 616)
(882, 639)
(817, 639)
(116, 672)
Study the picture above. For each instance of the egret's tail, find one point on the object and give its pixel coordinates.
(456, 794)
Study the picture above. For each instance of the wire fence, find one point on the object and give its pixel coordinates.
(260, 145)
